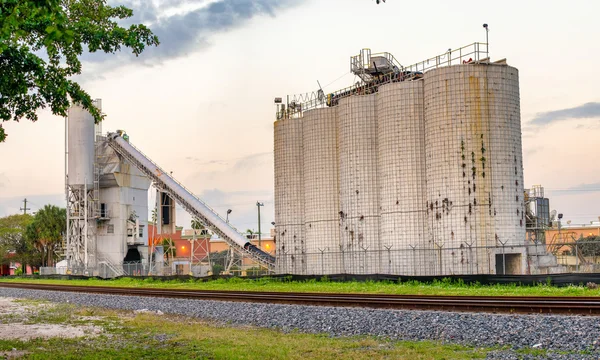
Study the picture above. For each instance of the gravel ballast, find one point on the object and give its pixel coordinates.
(556, 333)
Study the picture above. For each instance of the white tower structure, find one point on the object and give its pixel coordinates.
(81, 184)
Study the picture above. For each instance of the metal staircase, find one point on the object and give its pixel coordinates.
(116, 270)
(189, 201)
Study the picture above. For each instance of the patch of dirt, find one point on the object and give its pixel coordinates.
(34, 331)
(18, 331)
(7, 306)
(15, 354)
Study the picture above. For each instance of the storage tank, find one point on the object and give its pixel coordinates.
(81, 130)
(321, 191)
(289, 196)
(401, 169)
(473, 166)
(359, 198)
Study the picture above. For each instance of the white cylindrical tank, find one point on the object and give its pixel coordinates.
(359, 199)
(473, 166)
(289, 196)
(401, 169)
(321, 191)
(81, 130)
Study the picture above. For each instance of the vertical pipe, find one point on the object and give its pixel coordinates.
(85, 226)
(67, 234)
(259, 238)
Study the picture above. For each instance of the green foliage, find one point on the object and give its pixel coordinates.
(19, 270)
(44, 235)
(587, 246)
(169, 248)
(12, 236)
(217, 269)
(40, 45)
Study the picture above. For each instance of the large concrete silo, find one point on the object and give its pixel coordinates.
(401, 170)
(81, 187)
(81, 147)
(321, 191)
(289, 196)
(474, 167)
(359, 199)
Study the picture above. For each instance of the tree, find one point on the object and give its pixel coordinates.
(12, 237)
(588, 247)
(169, 248)
(45, 233)
(40, 45)
(199, 225)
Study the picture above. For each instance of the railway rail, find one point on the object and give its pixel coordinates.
(495, 304)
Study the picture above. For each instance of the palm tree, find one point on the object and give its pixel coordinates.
(169, 248)
(46, 232)
(197, 224)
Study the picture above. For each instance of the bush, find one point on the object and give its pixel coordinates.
(217, 269)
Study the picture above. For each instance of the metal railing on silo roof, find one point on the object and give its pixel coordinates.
(299, 103)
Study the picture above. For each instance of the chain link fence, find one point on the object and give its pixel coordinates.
(440, 260)
(579, 256)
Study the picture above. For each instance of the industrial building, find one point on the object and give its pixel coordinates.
(107, 181)
(414, 170)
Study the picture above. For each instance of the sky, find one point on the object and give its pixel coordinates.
(201, 104)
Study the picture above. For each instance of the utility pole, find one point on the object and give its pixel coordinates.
(258, 205)
(25, 208)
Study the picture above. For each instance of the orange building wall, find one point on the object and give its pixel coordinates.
(183, 245)
(577, 232)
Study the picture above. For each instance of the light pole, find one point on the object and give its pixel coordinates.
(227, 218)
(258, 205)
(487, 42)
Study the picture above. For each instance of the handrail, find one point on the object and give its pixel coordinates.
(473, 52)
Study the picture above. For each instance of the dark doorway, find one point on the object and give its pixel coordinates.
(513, 264)
(132, 255)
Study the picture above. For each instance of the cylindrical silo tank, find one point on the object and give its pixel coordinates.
(359, 199)
(321, 191)
(289, 196)
(80, 147)
(401, 169)
(474, 167)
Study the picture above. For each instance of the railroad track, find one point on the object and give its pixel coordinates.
(498, 304)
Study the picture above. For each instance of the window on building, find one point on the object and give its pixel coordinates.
(141, 233)
(110, 229)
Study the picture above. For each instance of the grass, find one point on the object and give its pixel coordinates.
(148, 336)
(440, 287)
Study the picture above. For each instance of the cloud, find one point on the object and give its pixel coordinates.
(577, 189)
(3, 180)
(237, 184)
(586, 111)
(532, 150)
(202, 162)
(181, 34)
(594, 126)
